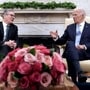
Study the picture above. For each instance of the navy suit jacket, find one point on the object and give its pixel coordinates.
(12, 33)
(70, 34)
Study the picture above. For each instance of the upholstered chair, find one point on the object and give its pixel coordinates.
(85, 65)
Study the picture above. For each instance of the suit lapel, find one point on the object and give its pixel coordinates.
(1, 30)
(74, 31)
(84, 31)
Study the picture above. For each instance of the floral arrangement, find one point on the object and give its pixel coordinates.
(30, 67)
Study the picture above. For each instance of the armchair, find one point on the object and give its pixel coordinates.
(85, 65)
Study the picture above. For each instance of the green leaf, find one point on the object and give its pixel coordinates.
(32, 51)
(1, 57)
(38, 5)
(45, 68)
(18, 75)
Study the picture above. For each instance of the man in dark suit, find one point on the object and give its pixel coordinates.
(77, 40)
(8, 33)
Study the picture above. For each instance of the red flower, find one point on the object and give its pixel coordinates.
(24, 82)
(37, 67)
(12, 66)
(11, 54)
(19, 59)
(3, 74)
(54, 73)
(35, 77)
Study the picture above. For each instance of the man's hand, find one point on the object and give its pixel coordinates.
(81, 47)
(54, 35)
(11, 43)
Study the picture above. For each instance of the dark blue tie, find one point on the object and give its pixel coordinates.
(7, 31)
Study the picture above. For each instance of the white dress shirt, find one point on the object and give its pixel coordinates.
(5, 28)
(79, 30)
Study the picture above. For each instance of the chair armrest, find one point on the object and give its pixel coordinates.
(61, 46)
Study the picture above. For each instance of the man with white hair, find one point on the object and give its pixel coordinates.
(77, 40)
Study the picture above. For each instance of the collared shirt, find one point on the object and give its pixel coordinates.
(5, 28)
(81, 26)
(79, 30)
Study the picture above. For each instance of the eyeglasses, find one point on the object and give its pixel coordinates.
(11, 15)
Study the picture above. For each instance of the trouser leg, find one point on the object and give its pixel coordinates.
(4, 50)
(72, 57)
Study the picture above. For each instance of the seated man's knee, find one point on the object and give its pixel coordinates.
(70, 44)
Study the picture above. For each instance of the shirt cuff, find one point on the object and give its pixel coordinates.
(85, 47)
(55, 39)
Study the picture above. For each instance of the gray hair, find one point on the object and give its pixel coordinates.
(5, 12)
(81, 11)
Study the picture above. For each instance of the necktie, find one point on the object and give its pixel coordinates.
(78, 35)
(7, 30)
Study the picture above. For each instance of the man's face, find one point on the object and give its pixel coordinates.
(77, 16)
(9, 17)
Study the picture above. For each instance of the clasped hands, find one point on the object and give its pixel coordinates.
(11, 43)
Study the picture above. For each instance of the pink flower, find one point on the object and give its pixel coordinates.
(12, 81)
(45, 51)
(57, 63)
(24, 82)
(45, 79)
(48, 61)
(57, 56)
(21, 52)
(40, 57)
(42, 49)
(29, 58)
(24, 68)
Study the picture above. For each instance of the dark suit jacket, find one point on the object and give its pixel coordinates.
(12, 35)
(70, 34)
